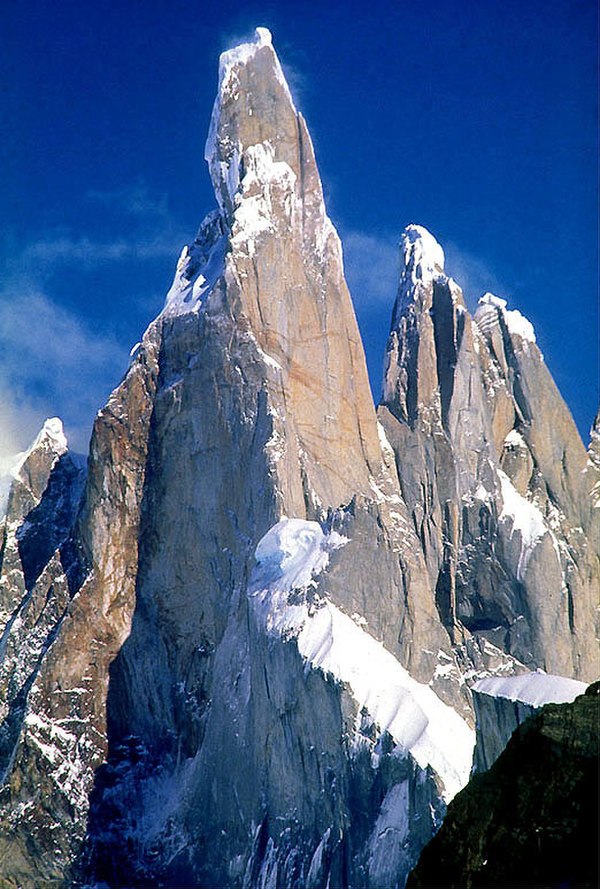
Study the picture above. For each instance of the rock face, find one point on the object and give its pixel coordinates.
(275, 602)
(543, 834)
(498, 495)
(38, 571)
(262, 410)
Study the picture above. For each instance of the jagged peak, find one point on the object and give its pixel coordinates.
(594, 445)
(242, 53)
(51, 437)
(52, 433)
(50, 440)
(264, 174)
(486, 316)
(251, 81)
(422, 257)
(421, 263)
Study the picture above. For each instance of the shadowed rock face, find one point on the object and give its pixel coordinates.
(502, 704)
(178, 733)
(70, 640)
(532, 819)
(39, 567)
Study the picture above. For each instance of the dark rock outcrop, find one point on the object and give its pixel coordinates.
(532, 819)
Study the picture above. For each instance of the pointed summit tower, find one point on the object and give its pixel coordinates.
(248, 555)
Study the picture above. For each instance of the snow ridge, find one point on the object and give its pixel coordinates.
(524, 518)
(289, 558)
(423, 258)
(535, 689)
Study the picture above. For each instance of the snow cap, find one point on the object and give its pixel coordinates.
(52, 435)
(252, 104)
(516, 323)
(50, 438)
(422, 256)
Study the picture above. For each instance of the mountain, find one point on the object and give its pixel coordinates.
(273, 600)
(493, 472)
(543, 834)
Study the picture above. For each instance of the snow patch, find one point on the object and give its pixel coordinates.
(384, 441)
(9, 471)
(387, 852)
(289, 558)
(422, 256)
(230, 62)
(514, 439)
(535, 689)
(316, 864)
(524, 518)
(52, 435)
(265, 182)
(67, 754)
(516, 323)
(199, 268)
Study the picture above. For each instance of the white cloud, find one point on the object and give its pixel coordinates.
(50, 363)
(50, 251)
(371, 265)
(52, 360)
(150, 232)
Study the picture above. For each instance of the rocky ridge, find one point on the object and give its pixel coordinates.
(251, 539)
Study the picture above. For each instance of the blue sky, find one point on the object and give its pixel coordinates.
(476, 119)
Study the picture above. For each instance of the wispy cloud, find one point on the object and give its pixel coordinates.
(51, 250)
(134, 200)
(372, 265)
(50, 359)
(151, 232)
(55, 361)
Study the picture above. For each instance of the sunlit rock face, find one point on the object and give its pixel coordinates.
(259, 675)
